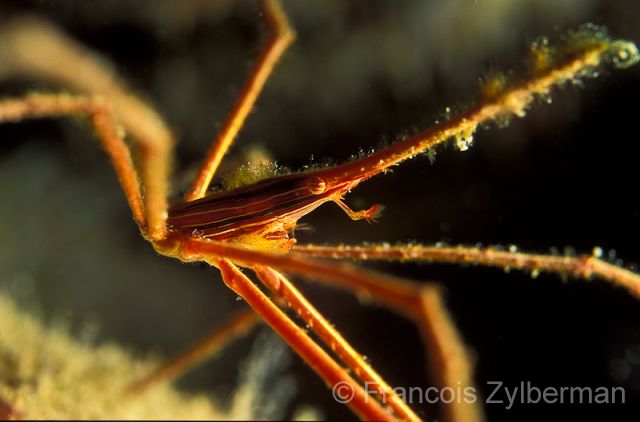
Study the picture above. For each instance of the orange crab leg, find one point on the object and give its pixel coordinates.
(49, 105)
(282, 37)
(34, 47)
(412, 299)
(397, 293)
(285, 290)
(585, 266)
(450, 361)
(237, 326)
(335, 376)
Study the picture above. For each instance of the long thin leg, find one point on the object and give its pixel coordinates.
(585, 266)
(403, 296)
(43, 105)
(236, 327)
(285, 290)
(244, 321)
(333, 374)
(279, 284)
(282, 36)
(450, 362)
(34, 47)
(397, 293)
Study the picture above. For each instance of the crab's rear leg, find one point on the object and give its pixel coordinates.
(449, 360)
(406, 297)
(241, 323)
(297, 338)
(285, 290)
(237, 326)
(282, 36)
(323, 364)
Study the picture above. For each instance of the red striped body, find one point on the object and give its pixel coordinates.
(269, 208)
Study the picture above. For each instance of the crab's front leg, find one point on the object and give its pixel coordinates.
(585, 266)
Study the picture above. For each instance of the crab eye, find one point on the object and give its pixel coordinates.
(317, 185)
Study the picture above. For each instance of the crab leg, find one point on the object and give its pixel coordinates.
(406, 297)
(237, 326)
(450, 362)
(285, 290)
(585, 266)
(323, 364)
(34, 47)
(282, 37)
(99, 113)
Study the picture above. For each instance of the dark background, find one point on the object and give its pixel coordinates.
(361, 72)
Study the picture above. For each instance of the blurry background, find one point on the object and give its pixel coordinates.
(360, 73)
